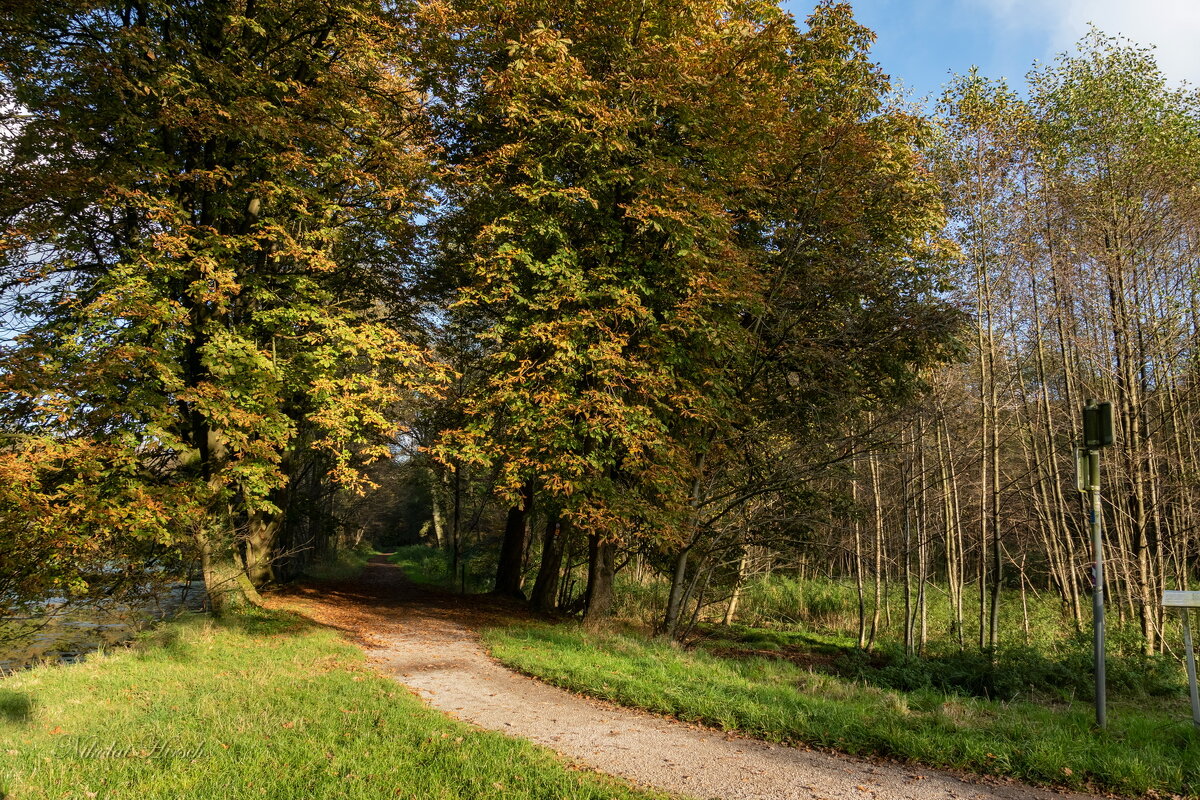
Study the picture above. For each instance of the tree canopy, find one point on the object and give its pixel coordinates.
(625, 268)
(208, 211)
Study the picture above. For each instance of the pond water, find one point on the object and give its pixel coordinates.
(66, 635)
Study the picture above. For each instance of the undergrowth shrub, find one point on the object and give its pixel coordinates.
(340, 564)
(432, 565)
(1016, 671)
(422, 563)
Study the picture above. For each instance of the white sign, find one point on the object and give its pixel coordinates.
(1181, 599)
(1185, 602)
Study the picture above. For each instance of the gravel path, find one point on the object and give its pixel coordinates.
(427, 640)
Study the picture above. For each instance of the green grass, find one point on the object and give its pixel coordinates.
(259, 706)
(1150, 744)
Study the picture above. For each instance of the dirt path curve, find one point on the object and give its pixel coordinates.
(427, 640)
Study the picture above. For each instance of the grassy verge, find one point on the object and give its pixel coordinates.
(260, 706)
(1145, 749)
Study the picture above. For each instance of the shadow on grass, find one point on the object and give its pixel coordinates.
(255, 621)
(15, 706)
(169, 639)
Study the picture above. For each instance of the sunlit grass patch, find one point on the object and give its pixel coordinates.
(1147, 747)
(260, 705)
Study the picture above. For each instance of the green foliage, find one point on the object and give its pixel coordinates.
(813, 603)
(642, 601)
(423, 564)
(1054, 662)
(831, 606)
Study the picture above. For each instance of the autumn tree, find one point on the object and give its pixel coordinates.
(658, 214)
(847, 232)
(207, 209)
(598, 162)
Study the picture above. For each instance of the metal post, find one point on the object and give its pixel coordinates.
(1191, 666)
(1097, 521)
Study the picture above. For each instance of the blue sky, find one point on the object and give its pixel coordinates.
(921, 41)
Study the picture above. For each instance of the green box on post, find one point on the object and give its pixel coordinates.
(1097, 426)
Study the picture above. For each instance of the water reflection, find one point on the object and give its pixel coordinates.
(62, 634)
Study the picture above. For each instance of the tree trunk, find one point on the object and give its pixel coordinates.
(545, 588)
(456, 544)
(260, 541)
(877, 499)
(512, 550)
(675, 598)
(907, 574)
(698, 589)
(735, 596)
(225, 579)
(437, 502)
(923, 536)
(858, 572)
(602, 563)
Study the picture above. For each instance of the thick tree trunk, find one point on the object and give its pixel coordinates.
(512, 550)
(602, 563)
(260, 545)
(225, 579)
(545, 587)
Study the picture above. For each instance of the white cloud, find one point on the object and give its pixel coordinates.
(1171, 26)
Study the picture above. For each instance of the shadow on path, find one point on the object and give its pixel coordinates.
(381, 599)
